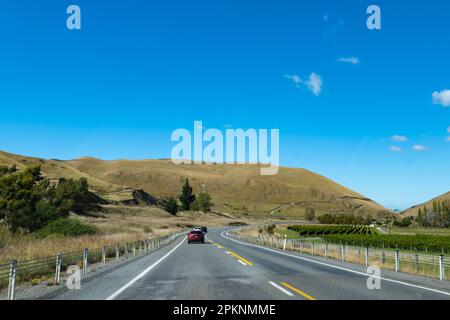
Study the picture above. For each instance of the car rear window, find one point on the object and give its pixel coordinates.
(196, 232)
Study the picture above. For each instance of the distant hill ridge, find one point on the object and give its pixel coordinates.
(236, 188)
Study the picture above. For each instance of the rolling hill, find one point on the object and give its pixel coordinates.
(237, 188)
(429, 204)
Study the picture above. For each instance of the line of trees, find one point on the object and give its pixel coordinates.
(352, 219)
(189, 201)
(436, 216)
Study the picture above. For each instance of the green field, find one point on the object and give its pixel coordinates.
(321, 230)
(430, 240)
(428, 243)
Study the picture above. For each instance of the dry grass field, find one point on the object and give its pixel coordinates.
(118, 224)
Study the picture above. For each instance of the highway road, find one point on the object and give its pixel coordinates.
(225, 268)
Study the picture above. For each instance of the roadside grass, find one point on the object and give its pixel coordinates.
(118, 224)
(281, 232)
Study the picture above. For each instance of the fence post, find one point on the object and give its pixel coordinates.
(326, 250)
(58, 269)
(12, 279)
(140, 247)
(441, 268)
(126, 250)
(367, 256)
(292, 245)
(397, 261)
(383, 257)
(117, 252)
(104, 255)
(313, 248)
(417, 262)
(302, 245)
(284, 243)
(85, 260)
(342, 253)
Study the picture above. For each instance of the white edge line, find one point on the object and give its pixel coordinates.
(281, 289)
(340, 268)
(242, 262)
(143, 273)
(227, 252)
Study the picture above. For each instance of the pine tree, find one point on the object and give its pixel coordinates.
(186, 197)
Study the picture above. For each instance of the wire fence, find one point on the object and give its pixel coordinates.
(429, 265)
(31, 270)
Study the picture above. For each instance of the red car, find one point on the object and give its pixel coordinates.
(196, 236)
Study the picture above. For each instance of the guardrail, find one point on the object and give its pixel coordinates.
(19, 271)
(435, 266)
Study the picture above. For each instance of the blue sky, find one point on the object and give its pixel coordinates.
(140, 69)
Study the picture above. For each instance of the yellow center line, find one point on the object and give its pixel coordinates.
(233, 254)
(216, 244)
(240, 258)
(300, 292)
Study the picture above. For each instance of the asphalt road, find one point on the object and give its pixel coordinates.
(224, 268)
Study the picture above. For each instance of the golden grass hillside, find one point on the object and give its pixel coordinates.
(234, 188)
(237, 188)
(55, 169)
(429, 204)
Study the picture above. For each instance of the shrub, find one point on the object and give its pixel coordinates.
(310, 214)
(35, 282)
(203, 201)
(67, 227)
(404, 222)
(171, 206)
(74, 195)
(270, 228)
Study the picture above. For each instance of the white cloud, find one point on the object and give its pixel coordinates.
(295, 78)
(419, 147)
(448, 139)
(398, 138)
(442, 98)
(448, 129)
(314, 82)
(395, 149)
(351, 60)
